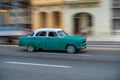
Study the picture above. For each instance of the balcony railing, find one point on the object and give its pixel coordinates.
(82, 1)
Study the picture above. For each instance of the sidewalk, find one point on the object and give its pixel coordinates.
(111, 40)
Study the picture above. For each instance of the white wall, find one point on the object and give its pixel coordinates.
(101, 14)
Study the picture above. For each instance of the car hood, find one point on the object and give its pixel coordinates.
(75, 38)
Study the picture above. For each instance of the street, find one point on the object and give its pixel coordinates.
(93, 63)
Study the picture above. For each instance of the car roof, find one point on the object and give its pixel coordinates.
(48, 29)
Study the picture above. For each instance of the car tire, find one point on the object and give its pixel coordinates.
(30, 48)
(70, 49)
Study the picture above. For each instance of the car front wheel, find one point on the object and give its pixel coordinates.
(70, 49)
(30, 48)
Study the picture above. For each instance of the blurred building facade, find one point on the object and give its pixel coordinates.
(99, 17)
(3, 14)
(15, 13)
(23, 18)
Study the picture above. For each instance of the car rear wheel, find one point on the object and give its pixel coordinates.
(70, 49)
(30, 48)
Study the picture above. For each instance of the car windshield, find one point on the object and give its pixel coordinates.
(62, 33)
(30, 34)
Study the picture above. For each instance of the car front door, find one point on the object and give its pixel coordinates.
(53, 42)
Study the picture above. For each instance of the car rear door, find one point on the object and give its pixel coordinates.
(39, 40)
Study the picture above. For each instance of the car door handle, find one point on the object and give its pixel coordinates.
(48, 38)
(34, 38)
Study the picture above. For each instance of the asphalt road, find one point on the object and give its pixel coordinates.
(94, 63)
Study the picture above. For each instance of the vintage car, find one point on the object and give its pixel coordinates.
(52, 39)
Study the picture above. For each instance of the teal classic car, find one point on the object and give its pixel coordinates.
(52, 39)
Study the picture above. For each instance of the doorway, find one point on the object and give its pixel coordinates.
(83, 21)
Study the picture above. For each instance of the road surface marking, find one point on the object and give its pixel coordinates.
(35, 64)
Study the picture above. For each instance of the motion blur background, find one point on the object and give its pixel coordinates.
(96, 18)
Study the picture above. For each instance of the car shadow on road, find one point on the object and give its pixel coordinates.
(53, 51)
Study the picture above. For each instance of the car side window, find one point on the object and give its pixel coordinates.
(42, 33)
(52, 34)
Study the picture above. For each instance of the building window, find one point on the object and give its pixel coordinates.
(116, 14)
(43, 18)
(89, 20)
(56, 19)
(116, 24)
(12, 14)
(19, 14)
(116, 3)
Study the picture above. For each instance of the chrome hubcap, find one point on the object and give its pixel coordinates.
(70, 49)
(30, 48)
